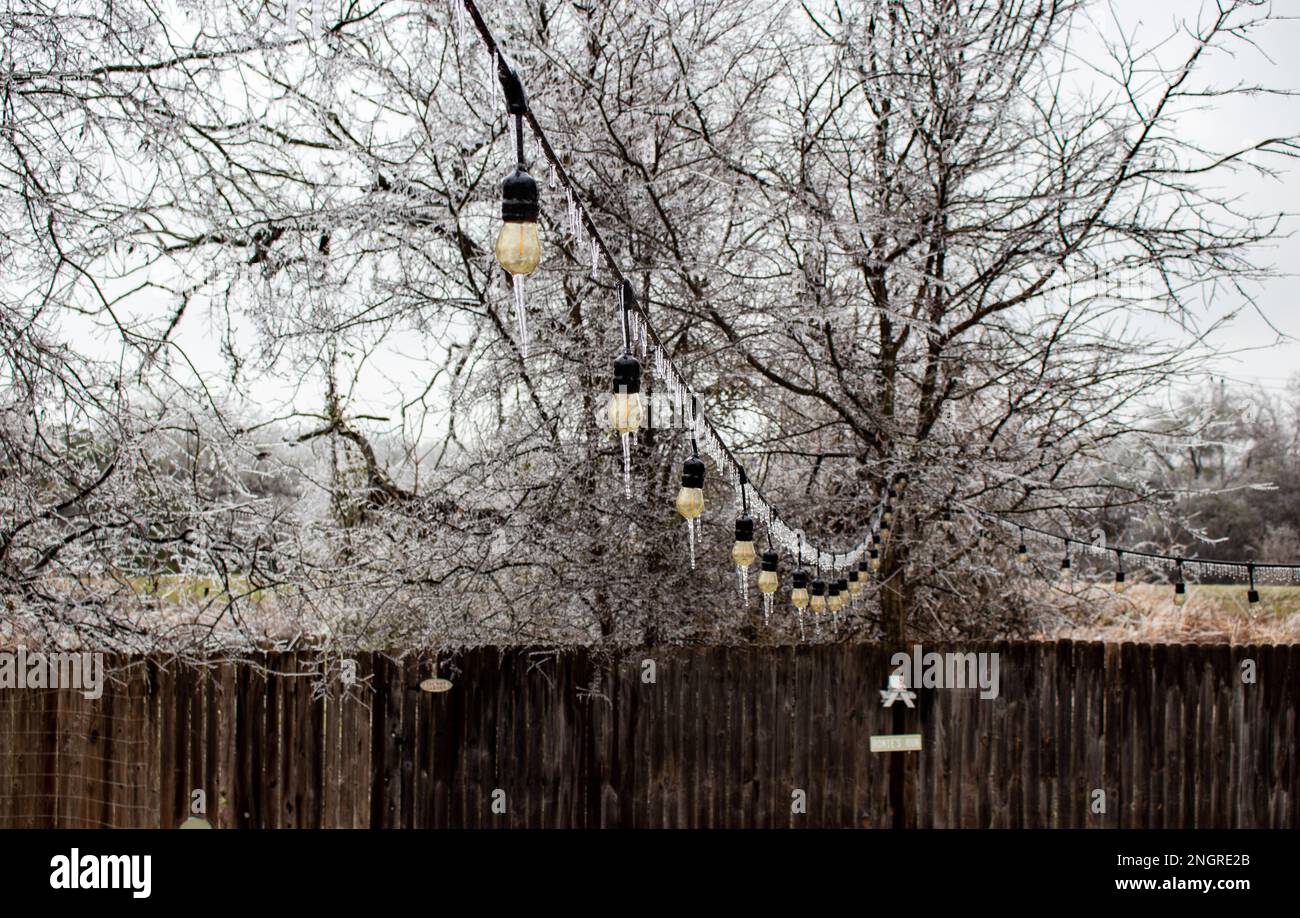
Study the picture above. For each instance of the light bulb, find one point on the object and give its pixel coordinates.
(625, 411)
(690, 499)
(1022, 554)
(1180, 593)
(767, 578)
(743, 551)
(1121, 582)
(690, 502)
(1066, 571)
(818, 600)
(799, 590)
(625, 400)
(874, 554)
(519, 250)
(855, 582)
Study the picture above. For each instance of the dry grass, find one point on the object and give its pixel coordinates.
(1212, 614)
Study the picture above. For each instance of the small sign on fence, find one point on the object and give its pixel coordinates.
(436, 685)
(896, 742)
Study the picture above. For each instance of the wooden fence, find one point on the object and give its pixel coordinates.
(723, 736)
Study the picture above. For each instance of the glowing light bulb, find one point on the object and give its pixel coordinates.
(1066, 571)
(1180, 593)
(1121, 582)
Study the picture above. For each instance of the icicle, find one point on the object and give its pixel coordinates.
(521, 319)
(744, 586)
(552, 180)
(595, 258)
(690, 537)
(767, 609)
(627, 465)
(458, 11)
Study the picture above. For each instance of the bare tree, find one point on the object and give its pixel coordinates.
(262, 385)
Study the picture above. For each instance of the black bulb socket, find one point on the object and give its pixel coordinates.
(519, 198)
(627, 374)
(799, 580)
(693, 472)
(744, 529)
(769, 561)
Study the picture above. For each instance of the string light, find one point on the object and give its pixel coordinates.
(1120, 581)
(518, 251)
(580, 220)
(1022, 553)
(742, 552)
(518, 248)
(690, 497)
(1180, 586)
(1066, 571)
(768, 581)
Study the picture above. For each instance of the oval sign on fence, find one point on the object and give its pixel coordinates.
(436, 685)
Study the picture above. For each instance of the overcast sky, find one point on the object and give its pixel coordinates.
(1235, 122)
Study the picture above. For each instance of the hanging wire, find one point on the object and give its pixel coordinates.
(582, 220)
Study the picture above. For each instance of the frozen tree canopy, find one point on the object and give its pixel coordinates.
(262, 381)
